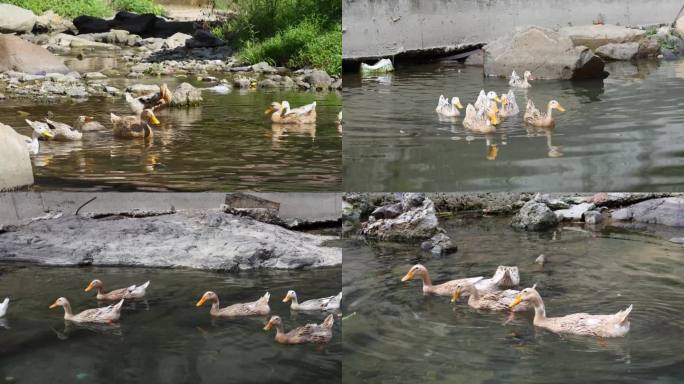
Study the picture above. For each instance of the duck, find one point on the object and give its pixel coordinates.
(339, 122)
(487, 102)
(537, 118)
(322, 304)
(282, 114)
(107, 314)
(478, 121)
(382, 66)
(494, 301)
(516, 82)
(131, 127)
(132, 292)
(602, 326)
(309, 333)
(503, 277)
(40, 130)
(448, 109)
(154, 101)
(255, 308)
(3, 307)
(60, 131)
(509, 107)
(88, 123)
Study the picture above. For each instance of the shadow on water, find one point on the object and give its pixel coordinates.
(620, 133)
(400, 336)
(225, 144)
(164, 339)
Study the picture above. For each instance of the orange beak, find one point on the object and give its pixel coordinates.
(408, 276)
(516, 301)
(560, 108)
(54, 305)
(90, 286)
(269, 110)
(456, 295)
(287, 298)
(268, 326)
(201, 301)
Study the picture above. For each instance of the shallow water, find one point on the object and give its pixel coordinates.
(225, 144)
(622, 133)
(165, 338)
(399, 336)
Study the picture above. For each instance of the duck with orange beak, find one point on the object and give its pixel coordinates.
(254, 308)
(128, 293)
(309, 333)
(535, 117)
(107, 314)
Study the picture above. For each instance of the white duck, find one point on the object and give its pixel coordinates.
(516, 82)
(3, 307)
(509, 107)
(39, 131)
(322, 304)
(448, 109)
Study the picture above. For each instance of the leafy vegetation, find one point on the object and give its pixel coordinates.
(97, 8)
(295, 33)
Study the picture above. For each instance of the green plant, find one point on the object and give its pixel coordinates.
(138, 6)
(66, 8)
(324, 52)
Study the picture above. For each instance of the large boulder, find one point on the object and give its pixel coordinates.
(418, 221)
(534, 216)
(22, 56)
(621, 51)
(666, 211)
(185, 95)
(549, 54)
(16, 19)
(15, 163)
(594, 36)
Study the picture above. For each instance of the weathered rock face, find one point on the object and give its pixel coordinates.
(549, 54)
(205, 240)
(418, 221)
(666, 211)
(185, 95)
(594, 36)
(679, 27)
(534, 216)
(49, 21)
(622, 51)
(16, 19)
(22, 56)
(176, 40)
(575, 212)
(15, 163)
(440, 245)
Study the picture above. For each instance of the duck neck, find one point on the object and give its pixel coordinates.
(280, 333)
(539, 311)
(214, 307)
(427, 282)
(474, 294)
(294, 301)
(549, 111)
(67, 311)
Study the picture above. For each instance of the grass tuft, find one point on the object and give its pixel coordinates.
(97, 8)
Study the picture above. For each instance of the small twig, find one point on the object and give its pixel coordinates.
(83, 205)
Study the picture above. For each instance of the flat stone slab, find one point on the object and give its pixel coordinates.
(666, 211)
(207, 239)
(575, 212)
(594, 36)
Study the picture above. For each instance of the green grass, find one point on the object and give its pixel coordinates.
(98, 8)
(294, 33)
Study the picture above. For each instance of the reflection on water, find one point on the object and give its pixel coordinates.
(226, 144)
(400, 336)
(621, 133)
(164, 339)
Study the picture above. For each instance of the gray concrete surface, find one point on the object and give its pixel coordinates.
(377, 28)
(21, 207)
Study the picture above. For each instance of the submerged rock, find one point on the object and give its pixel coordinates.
(534, 216)
(666, 211)
(22, 56)
(550, 54)
(206, 240)
(439, 244)
(418, 221)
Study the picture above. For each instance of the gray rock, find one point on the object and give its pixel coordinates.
(76, 91)
(186, 95)
(389, 211)
(337, 84)
(550, 55)
(16, 19)
(206, 240)
(593, 217)
(476, 58)
(94, 76)
(649, 47)
(575, 212)
(15, 163)
(263, 67)
(622, 51)
(242, 83)
(176, 40)
(677, 240)
(142, 89)
(534, 216)
(319, 80)
(666, 211)
(267, 83)
(595, 36)
(19, 55)
(440, 245)
(51, 22)
(415, 223)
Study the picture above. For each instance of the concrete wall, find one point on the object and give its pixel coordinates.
(20, 207)
(374, 28)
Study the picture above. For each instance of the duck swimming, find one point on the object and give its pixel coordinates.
(3, 307)
(615, 325)
(509, 107)
(503, 277)
(494, 301)
(154, 101)
(132, 127)
(87, 123)
(97, 315)
(309, 333)
(40, 130)
(282, 114)
(60, 131)
(132, 292)
(448, 109)
(322, 304)
(254, 308)
(537, 118)
(478, 121)
(515, 80)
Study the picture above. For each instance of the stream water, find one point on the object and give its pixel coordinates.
(622, 133)
(164, 339)
(397, 335)
(225, 144)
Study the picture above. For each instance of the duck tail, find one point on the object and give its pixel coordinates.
(328, 322)
(117, 306)
(6, 301)
(264, 299)
(144, 286)
(624, 315)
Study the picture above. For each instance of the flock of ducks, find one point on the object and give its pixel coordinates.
(309, 333)
(494, 294)
(485, 114)
(139, 124)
